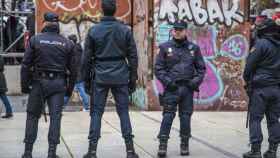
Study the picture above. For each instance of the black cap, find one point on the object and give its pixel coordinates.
(180, 25)
(109, 7)
(51, 17)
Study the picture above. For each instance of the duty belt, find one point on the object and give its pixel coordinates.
(110, 59)
(49, 75)
(182, 82)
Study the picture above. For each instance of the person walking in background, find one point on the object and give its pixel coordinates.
(3, 90)
(80, 84)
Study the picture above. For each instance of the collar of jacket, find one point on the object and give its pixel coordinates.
(51, 29)
(108, 18)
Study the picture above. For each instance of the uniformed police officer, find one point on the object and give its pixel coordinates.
(262, 75)
(181, 69)
(46, 60)
(111, 53)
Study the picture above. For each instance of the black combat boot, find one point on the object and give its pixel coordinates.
(185, 146)
(130, 150)
(162, 149)
(254, 153)
(271, 152)
(8, 115)
(28, 151)
(91, 150)
(52, 151)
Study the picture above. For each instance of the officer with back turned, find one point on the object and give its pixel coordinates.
(262, 78)
(43, 75)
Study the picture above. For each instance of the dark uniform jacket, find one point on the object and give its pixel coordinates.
(180, 62)
(49, 52)
(110, 44)
(263, 63)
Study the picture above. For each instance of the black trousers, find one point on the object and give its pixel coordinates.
(35, 106)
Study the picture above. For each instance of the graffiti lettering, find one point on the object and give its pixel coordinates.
(194, 10)
(214, 14)
(236, 47)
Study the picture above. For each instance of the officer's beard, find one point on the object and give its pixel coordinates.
(179, 41)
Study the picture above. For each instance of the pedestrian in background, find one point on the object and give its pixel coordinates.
(3, 90)
(80, 84)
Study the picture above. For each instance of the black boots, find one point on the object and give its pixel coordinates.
(28, 151)
(7, 116)
(162, 149)
(254, 153)
(130, 150)
(91, 150)
(271, 152)
(52, 151)
(185, 147)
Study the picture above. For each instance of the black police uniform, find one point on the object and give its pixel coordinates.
(46, 60)
(262, 75)
(181, 69)
(111, 47)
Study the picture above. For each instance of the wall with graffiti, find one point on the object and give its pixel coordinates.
(77, 16)
(218, 27)
(141, 34)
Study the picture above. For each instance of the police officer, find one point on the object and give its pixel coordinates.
(181, 69)
(262, 75)
(46, 60)
(111, 52)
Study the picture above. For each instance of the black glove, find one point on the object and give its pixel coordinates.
(193, 86)
(25, 89)
(172, 86)
(132, 86)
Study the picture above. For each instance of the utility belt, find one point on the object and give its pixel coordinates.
(104, 59)
(182, 82)
(49, 75)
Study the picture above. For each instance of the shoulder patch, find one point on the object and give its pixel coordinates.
(192, 53)
(169, 52)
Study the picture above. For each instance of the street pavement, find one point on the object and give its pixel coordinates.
(215, 135)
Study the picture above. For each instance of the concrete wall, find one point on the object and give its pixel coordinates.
(12, 74)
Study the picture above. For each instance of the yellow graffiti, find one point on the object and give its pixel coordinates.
(80, 17)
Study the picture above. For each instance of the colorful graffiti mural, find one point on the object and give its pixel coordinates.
(219, 29)
(194, 10)
(141, 34)
(77, 16)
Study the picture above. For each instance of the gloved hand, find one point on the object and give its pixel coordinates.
(132, 86)
(193, 86)
(25, 89)
(172, 86)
